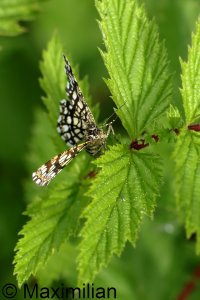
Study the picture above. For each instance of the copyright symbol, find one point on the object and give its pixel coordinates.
(9, 290)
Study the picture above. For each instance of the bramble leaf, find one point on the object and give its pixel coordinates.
(52, 222)
(136, 62)
(174, 118)
(54, 212)
(14, 11)
(191, 79)
(124, 192)
(187, 178)
(187, 151)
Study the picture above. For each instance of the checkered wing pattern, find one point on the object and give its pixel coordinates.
(75, 115)
(49, 170)
(75, 123)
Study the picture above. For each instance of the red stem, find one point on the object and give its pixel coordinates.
(194, 127)
(190, 285)
(140, 143)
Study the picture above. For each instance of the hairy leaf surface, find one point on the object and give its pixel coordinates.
(187, 154)
(124, 191)
(191, 79)
(137, 64)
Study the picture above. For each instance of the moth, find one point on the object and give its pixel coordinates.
(77, 127)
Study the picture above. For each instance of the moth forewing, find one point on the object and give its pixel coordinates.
(51, 168)
(75, 123)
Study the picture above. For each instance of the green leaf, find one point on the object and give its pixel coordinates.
(137, 64)
(54, 80)
(124, 191)
(186, 154)
(187, 178)
(191, 79)
(14, 11)
(52, 222)
(55, 211)
(174, 117)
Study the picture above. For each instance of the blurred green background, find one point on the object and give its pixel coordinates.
(163, 262)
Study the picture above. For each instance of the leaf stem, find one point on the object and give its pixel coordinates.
(194, 127)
